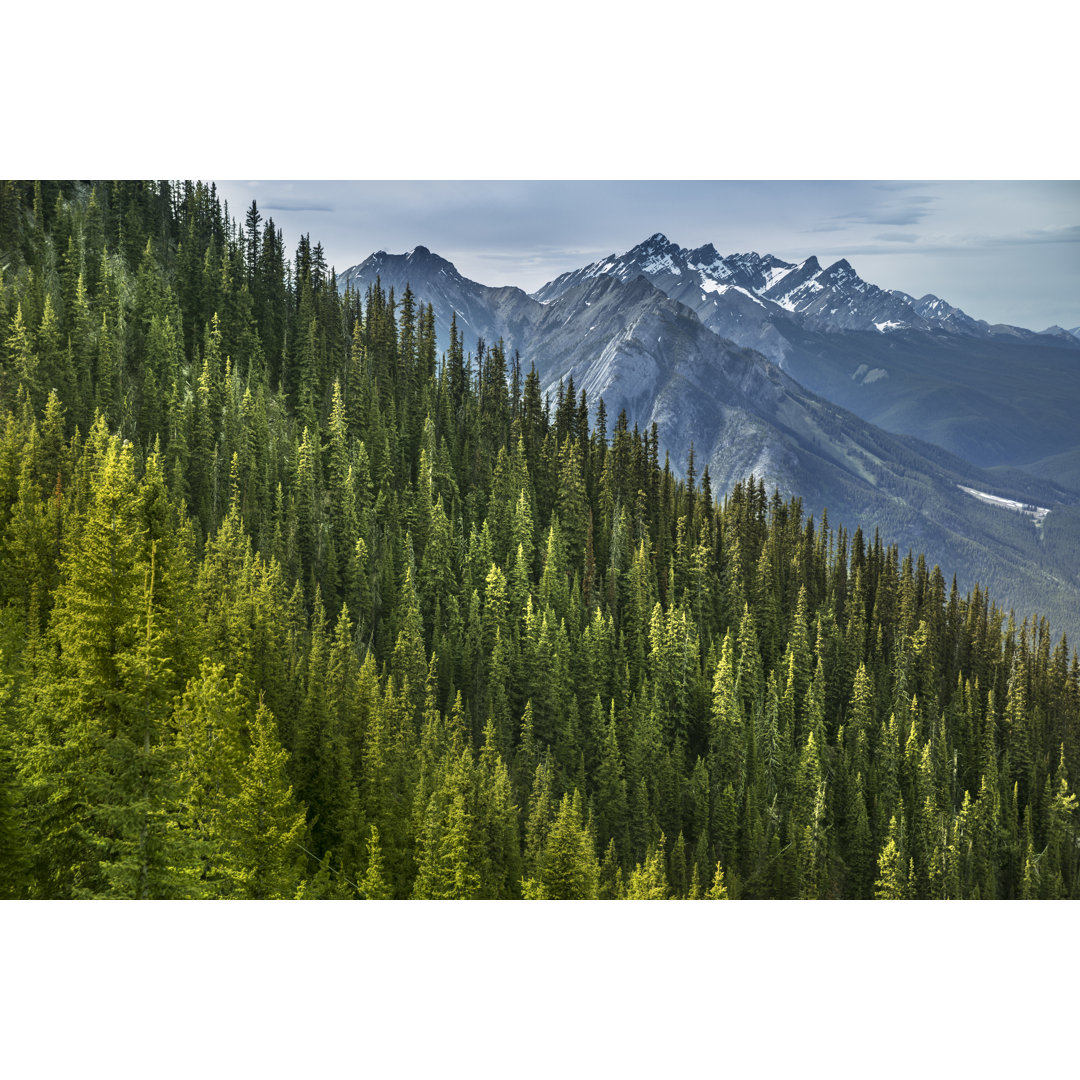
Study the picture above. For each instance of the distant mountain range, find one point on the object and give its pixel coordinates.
(791, 372)
(995, 395)
(830, 298)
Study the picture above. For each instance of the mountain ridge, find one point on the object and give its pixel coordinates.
(914, 366)
(804, 288)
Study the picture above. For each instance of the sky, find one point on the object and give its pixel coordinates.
(1003, 251)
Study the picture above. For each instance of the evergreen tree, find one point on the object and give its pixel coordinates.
(374, 886)
(261, 824)
(891, 882)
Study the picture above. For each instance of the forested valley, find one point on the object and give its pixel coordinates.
(293, 607)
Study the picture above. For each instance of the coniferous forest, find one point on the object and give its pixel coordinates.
(292, 606)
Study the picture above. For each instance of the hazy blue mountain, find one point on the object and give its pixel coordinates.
(1058, 332)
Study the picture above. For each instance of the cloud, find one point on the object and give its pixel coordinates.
(850, 206)
(851, 250)
(909, 214)
(953, 245)
(1059, 234)
(540, 256)
(297, 206)
(894, 209)
(525, 233)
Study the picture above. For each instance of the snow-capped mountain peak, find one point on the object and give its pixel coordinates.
(657, 255)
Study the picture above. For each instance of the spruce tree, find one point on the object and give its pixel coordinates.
(261, 824)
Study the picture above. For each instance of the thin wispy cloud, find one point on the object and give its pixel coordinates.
(297, 206)
(957, 245)
(913, 210)
(1067, 234)
(543, 258)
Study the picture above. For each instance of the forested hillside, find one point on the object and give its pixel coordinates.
(291, 605)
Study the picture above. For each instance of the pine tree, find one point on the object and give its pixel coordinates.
(891, 881)
(569, 869)
(14, 856)
(261, 825)
(649, 881)
(87, 711)
(374, 886)
(717, 890)
(210, 748)
(447, 841)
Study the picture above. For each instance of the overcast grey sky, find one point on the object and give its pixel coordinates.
(1003, 251)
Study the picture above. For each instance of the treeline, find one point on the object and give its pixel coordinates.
(292, 606)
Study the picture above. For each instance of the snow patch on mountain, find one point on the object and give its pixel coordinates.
(746, 292)
(775, 273)
(792, 300)
(1037, 513)
(660, 264)
(865, 375)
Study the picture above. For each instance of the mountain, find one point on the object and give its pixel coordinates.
(1057, 331)
(618, 336)
(815, 297)
(481, 311)
(996, 395)
(806, 294)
